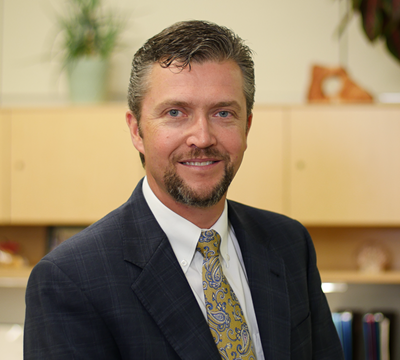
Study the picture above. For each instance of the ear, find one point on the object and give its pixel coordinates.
(248, 126)
(249, 122)
(134, 130)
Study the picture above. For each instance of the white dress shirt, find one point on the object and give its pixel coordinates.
(183, 237)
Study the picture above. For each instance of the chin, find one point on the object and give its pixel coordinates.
(198, 194)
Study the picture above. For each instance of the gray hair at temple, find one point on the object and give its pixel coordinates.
(184, 43)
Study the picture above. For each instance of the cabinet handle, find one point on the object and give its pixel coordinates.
(19, 165)
(300, 165)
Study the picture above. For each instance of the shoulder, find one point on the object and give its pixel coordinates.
(254, 217)
(81, 258)
(104, 231)
(101, 241)
(107, 233)
(277, 232)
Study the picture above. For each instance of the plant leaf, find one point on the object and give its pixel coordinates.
(391, 10)
(356, 4)
(372, 16)
(393, 43)
(89, 30)
(344, 22)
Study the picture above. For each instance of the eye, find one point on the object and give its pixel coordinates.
(174, 113)
(224, 114)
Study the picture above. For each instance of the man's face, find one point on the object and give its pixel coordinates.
(193, 131)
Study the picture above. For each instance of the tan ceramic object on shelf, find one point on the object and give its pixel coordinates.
(349, 92)
(372, 258)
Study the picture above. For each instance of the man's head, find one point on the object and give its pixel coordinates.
(191, 96)
(185, 43)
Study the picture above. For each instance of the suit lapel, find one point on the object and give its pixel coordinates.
(165, 293)
(162, 287)
(267, 280)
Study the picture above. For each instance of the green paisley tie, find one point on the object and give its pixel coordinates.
(224, 313)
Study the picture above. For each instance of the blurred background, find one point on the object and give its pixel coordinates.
(287, 37)
(334, 167)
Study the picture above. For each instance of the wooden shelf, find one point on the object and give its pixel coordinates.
(14, 278)
(387, 277)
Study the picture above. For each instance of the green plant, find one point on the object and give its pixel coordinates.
(380, 20)
(88, 30)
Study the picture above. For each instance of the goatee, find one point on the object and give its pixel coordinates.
(184, 194)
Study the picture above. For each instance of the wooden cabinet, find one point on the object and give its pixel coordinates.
(260, 180)
(344, 175)
(323, 165)
(345, 165)
(71, 165)
(5, 169)
(334, 168)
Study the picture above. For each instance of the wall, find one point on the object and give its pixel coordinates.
(286, 35)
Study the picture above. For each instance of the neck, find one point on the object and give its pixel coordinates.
(204, 218)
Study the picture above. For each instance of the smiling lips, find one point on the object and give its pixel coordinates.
(198, 163)
(201, 157)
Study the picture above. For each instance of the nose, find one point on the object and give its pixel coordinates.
(201, 134)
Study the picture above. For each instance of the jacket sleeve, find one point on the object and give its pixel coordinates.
(60, 322)
(325, 340)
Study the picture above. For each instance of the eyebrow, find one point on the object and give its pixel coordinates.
(234, 104)
(169, 103)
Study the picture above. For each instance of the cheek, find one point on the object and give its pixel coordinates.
(160, 148)
(235, 144)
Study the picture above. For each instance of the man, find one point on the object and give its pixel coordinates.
(179, 272)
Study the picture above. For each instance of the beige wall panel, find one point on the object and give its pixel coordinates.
(259, 181)
(345, 166)
(287, 38)
(28, 38)
(70, 165)
(5, 158)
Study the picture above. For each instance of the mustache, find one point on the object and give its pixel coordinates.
(201, 153)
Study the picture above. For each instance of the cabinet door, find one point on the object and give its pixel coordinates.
(345, 165)
(70, 166)
(259, 181)
(5, 176)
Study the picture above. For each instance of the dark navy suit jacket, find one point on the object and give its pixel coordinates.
(116, 291)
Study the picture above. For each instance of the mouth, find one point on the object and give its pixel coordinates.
(201, 158)
(198, 163)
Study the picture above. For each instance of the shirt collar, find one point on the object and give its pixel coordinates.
(182, 234)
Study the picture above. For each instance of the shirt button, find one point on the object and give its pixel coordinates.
(227, 257)
(184, 263)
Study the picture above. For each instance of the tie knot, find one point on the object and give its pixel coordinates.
(209, 243)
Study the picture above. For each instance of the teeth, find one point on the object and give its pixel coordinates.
(198, 163)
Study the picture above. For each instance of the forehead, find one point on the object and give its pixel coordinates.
(204, 81)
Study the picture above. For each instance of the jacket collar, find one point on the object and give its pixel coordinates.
(267, 281)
